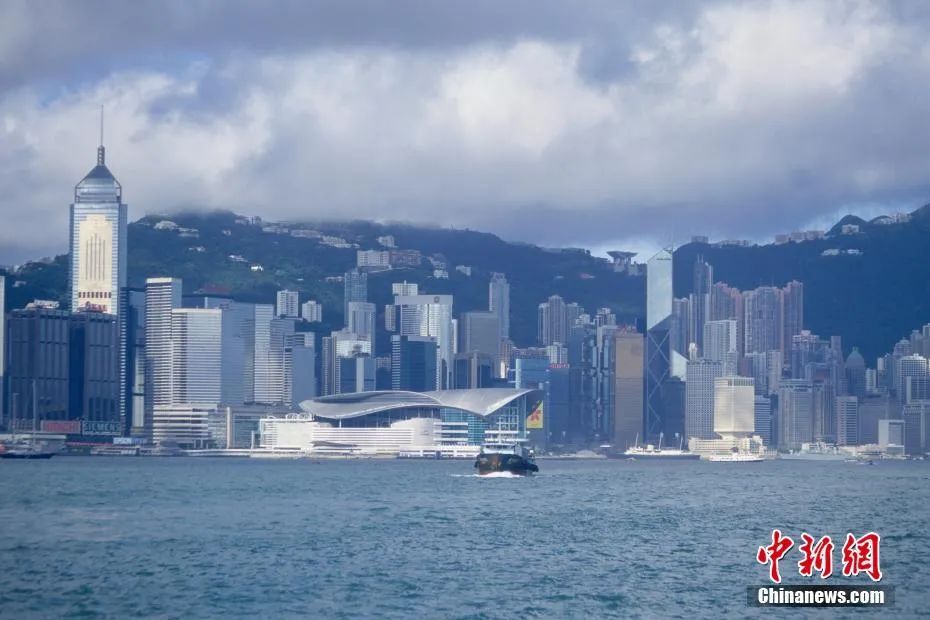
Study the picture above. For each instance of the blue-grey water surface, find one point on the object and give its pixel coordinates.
(122, 537)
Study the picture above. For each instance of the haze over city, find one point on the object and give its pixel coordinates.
(531, 120)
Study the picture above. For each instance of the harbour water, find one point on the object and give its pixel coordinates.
(121, 537)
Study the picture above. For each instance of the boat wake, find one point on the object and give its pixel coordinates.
(493, 474)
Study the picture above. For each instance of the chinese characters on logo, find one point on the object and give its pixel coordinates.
(860, 555)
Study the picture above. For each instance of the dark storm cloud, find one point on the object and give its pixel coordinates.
(550, 122)
(88, 38)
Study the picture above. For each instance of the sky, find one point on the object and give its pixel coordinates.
(597, 123)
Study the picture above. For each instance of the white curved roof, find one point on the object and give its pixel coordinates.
(482, 402)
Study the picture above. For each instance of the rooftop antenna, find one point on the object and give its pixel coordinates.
(101, 155)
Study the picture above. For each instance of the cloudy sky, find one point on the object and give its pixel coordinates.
(599, 123)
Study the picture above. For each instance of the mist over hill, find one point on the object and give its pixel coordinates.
(871, 287)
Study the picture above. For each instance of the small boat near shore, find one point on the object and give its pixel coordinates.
(25, 450)
(649, 452)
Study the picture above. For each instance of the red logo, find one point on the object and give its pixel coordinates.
(773, 553)
(817, 557)
(860, 555)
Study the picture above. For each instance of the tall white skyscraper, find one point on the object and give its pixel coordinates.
(699, 398)
(430, 315)
(734, 406)
(98, 254)
(162, 295)
(270, 338)
(204, 367)
(98, 240)
(287, 304)
(499, 303)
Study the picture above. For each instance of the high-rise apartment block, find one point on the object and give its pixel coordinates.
(287, 304)
(499, 303)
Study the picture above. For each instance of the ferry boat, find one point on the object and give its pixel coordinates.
(512, 459)
(25, 450)
(653, 453)
(736, 457)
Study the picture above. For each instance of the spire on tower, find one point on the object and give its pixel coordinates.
(101, 153)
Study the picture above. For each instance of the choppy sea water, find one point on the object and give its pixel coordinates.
(120, 537)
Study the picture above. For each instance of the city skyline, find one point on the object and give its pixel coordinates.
(357, 298)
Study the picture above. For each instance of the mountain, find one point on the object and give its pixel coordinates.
(216, 252)
(872, 296)
(872, 287)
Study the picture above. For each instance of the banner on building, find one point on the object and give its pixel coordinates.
(534, 421)
(62, 427)
(97, 427)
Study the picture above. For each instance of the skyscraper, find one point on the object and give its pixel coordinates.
(287, 303)
(680, 334)
(203, 370)
(98, 252)
(337, 375)
(271, 337)
(480, 332)
(356, 289)
(361, 319)
(795, 413)
(552, 321)
(699, 398)
(720, 344)
(793, 313)
(430, 315)
(699, 301)
(299, 368)
(909, 366)
(98, 240)
(734, 406)
(762, 418)
(855, 374)
(847, 420)
(662, 361)
(64, 369)
(162, 295)
(499, 303)
(413, 363)
(628, 388)
(762, 311)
